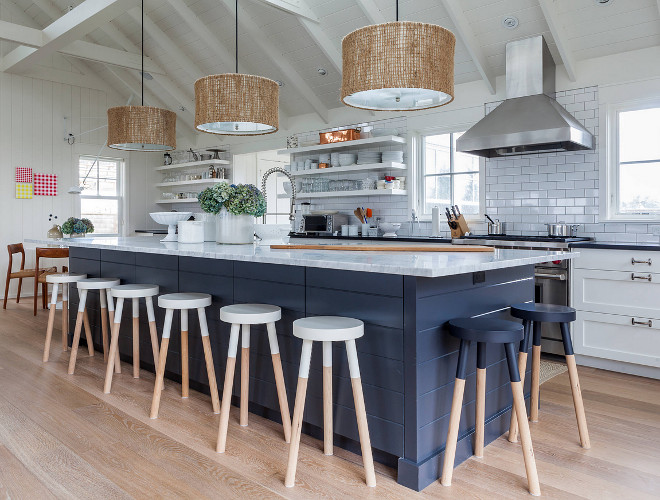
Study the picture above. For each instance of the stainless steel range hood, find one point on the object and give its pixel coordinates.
(529, 120)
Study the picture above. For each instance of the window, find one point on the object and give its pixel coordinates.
(448, 177)
(637, 179)
(100, 201)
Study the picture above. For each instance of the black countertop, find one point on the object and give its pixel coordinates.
(416, 239)
(654, 247)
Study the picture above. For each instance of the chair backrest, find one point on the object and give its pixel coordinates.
(50, 253)
(16, 248)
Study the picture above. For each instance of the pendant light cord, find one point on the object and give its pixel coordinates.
(397, 10)
(142, 52)
(236, 36)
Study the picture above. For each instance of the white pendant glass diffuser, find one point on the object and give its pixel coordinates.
(236, 104)
(398, 66)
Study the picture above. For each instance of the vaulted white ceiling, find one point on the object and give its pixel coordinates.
(187, 39)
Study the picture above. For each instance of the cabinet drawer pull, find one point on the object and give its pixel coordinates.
(635, 261)
(648, 323)
(647, 277)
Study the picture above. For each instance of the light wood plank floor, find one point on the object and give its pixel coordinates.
(61, 437)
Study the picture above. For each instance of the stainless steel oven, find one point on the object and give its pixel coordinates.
(552, 287)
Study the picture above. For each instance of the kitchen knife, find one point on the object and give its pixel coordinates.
(448, 214)
(457, 210)
(453, 210)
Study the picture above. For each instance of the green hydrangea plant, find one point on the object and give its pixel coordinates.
(241, 199)
(77, 226)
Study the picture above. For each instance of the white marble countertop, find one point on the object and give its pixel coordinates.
(426, 264)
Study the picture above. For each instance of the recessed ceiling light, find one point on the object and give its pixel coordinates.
(322, 71)
(603, 2)
(510, 22)
(280, 83)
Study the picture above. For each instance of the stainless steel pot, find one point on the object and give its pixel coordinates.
(495, 227)
(562, 230)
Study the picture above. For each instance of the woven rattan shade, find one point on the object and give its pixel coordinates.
(141, 128)
(236, 104)
(411, 62)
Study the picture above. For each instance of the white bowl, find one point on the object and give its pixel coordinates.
(389, 229)
(170, 219)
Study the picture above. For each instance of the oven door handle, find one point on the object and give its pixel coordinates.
(551, 276)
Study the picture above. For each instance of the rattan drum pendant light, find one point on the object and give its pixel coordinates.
(141, 128)
(235, 104)
(399, 66)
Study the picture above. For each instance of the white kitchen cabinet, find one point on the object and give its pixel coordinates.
(617, 296)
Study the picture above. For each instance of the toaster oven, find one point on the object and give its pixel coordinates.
(322, 224)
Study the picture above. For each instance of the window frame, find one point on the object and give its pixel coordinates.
(88, 150)
(418, 140)
(609, 195)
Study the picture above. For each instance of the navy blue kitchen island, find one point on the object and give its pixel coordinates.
(407, 358)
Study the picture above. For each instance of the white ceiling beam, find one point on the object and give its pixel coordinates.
(658, 6)
(295, 7)
(559, 35)
(21, 34)
(294, 78)
(372, 12)
(48, 8)
(466, 34)
(72, 26)
(323, 41)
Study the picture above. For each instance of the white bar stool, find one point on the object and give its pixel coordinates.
(63, 279)
(103, 285)
(246, 315)
(184, 302)
(135, 293)
(328, 329)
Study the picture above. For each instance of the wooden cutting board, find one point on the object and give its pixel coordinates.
(387, 248)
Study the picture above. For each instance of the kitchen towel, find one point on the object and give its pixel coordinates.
(45, 184)
(23, 174)
(23, 190)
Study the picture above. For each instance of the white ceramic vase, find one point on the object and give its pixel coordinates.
(233, 229)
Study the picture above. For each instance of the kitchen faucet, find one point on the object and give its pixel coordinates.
(292, 216)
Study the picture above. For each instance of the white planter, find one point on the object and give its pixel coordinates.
(234, 229)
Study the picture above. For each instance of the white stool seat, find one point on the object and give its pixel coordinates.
(97, 283)
(65, 277)
(250, 314)
(328, 328)
(184, 300)
(134, 291)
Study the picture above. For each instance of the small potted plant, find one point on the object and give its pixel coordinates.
(236, 206)
(77, 228)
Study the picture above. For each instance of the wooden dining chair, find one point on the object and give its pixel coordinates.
(40, 274)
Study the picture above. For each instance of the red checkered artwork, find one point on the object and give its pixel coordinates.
(23, 174)
(45, 185)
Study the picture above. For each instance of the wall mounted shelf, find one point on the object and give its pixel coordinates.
(191, 164)
(360, 192)
(351, 168)
(383, 141)
(191, 183)
(185, 200)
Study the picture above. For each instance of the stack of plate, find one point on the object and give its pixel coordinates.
(346, 159)
(324, 158)
(393, 156)
(334, 159)
(365, 157)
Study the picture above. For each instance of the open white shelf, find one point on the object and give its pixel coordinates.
(351, 168)
(207, 163)
(185, 200)
(360, 192)
(191, 183)
(385, 140)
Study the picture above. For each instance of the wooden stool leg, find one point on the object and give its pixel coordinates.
(575, 386)
(65, 316)
(361, 413)
(536, 373)
(153, 332)
(226, 391)
(245, 375)
(136, 338)
(162, 359)
(327, 399)
(185, 380)
(522, 366)
(298, 410)
(208, 359)
(51, 320)
(279, 381)
(480, 407)
(455, 415)
(114, 342)
(104, 324)
(111, 315)
(523, 424)
(76, 332)
(88, 334)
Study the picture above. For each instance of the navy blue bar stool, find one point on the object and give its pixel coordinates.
(537, 314)
(485, 331)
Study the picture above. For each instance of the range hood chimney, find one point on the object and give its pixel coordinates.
(529, 120)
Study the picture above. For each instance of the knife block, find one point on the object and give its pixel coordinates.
(461, 227)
